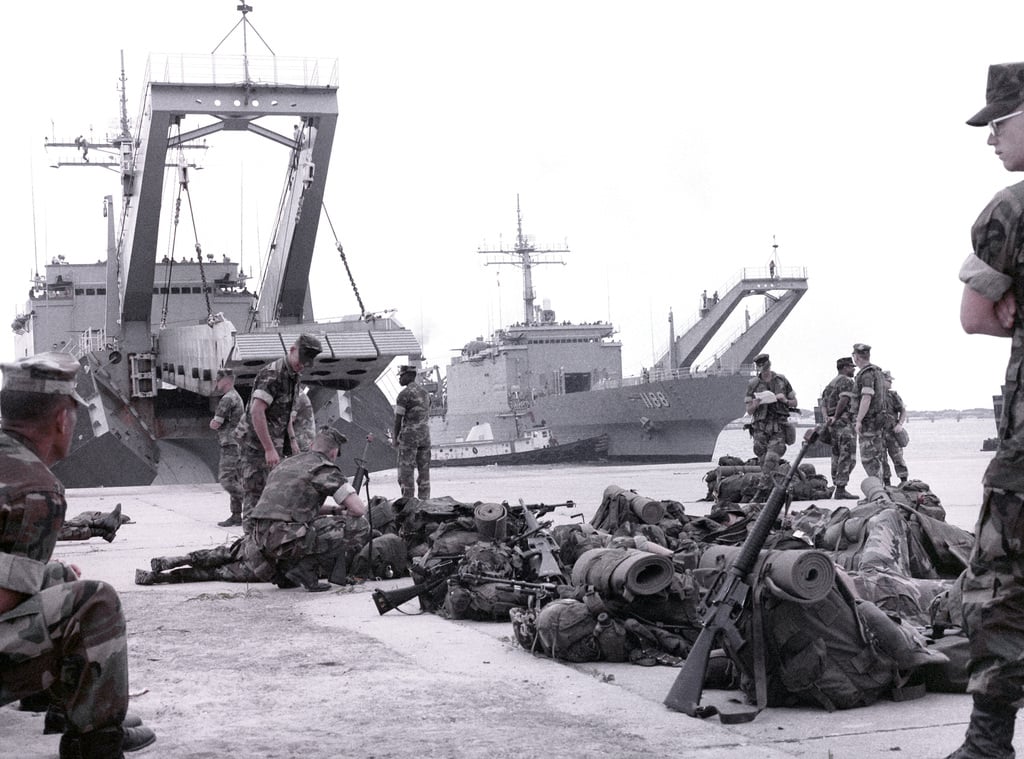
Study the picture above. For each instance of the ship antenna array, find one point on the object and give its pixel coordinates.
(246, 24)
(523, 257)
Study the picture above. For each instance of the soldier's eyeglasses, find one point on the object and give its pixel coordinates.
(993, 125)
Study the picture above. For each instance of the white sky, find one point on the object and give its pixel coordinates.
(665, 142)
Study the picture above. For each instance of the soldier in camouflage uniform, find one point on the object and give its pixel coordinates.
(993, 585)
(93, 524)
(870, 421)
(412, 435)
(57, 633)
(299, 536)
(262, 434)
(302, 427)
(238, 561)
(769, 418)
(839, 402)
(895, 418)
(230, 409)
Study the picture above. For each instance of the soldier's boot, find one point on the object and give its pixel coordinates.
(842, 493)
(108, 743)
(304, 573)
(56, 720)
(990, 732)
(235, 520)
(106, 527)
(166, 563)
(37, 702)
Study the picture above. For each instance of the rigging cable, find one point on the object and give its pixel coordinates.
(344, 260)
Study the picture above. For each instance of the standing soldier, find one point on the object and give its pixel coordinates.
(769, 400)
(230, 409)
(412, 435)
(895, 418)
(57, 633)
(993, 584)
(263, 432)
(839, 402)
(870, 422)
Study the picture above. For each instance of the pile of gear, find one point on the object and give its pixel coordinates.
(847, 604)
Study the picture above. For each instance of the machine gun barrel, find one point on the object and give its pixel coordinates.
(728, 597)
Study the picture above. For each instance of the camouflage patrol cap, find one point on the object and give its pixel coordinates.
(50, 373)
(843, 361)
(888, 375)
(309, 346)
(225, 371)
(406, 369)
(333, 434)
(761, 358)
(862, 348)
(1003, 95)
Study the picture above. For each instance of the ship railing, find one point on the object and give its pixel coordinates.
(235, 69)
(94, 339)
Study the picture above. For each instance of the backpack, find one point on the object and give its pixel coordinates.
(836, 653)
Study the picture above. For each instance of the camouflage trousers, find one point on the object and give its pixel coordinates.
(769, 446)
(414, 459)
(872, 449)
(69, 639)
(229, 475)
(252, 478)
(844, 454)
(324, 541)
(227, 563)
(993, 599)
(894, 451)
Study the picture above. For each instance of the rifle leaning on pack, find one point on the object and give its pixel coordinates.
(540, 546)
(437, 575)
(728, 597)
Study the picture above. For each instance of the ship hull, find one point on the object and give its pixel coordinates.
(671, 421)
(588, 450)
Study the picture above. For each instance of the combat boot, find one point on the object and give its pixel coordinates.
(990, 732)
(842, 493)
(107, 526)
(235, 520)
(304, 573)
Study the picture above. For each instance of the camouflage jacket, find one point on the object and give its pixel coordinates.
(894, 408)
(230, 410)
(298, 487)
(991, 270)
(413, 405)
(303, 422)
(765, 412)
(869, 379)
(32, 508)
(839, 386)
(276, 385)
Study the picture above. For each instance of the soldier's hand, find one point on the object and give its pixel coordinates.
(272, 458)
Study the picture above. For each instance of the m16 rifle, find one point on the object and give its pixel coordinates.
(434, 577)
(540, 555)
(728, 597)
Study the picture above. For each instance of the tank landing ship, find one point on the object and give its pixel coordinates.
(151, 334)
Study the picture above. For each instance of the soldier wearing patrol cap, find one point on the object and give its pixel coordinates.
(229, 412)
(768, 400)
(57, 632)
(993, 584)
(869, 423)
(412, 435)
(839, 404)
(295, 532)
(262, 434)
(894, 435)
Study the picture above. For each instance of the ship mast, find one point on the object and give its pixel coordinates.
(525, 256)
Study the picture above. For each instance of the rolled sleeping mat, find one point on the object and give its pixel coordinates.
(874, 490)
(726, 471)
(623, 572)
(647, 510)
(797, 575)
(490, 520)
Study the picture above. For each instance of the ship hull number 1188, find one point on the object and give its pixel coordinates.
(655, 399)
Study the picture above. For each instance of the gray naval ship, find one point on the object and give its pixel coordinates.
(566, 379)
(151, 331)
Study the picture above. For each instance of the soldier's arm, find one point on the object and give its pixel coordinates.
(258, 412)
(348, 502)
(981, 316)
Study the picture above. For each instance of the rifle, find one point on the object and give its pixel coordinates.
(728, 597)
(386, 600)
(361, 476)
(541, 547)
